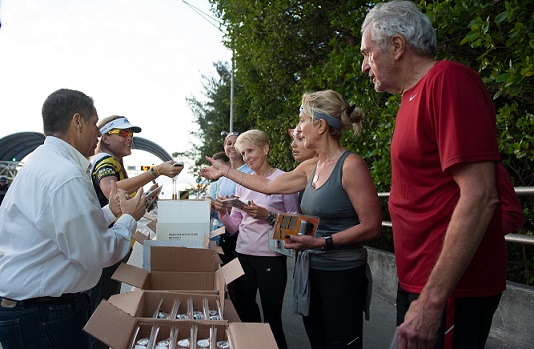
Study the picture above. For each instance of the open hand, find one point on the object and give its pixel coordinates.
(136, 206)
(216, 171)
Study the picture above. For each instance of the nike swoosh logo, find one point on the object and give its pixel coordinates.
(412, 97)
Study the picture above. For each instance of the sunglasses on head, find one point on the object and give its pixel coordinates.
(226, 134)
(123, 133)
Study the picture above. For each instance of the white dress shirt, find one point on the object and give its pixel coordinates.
(54, 236)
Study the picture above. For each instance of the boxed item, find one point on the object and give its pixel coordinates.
(187, 221)
(175, 305)
(148, 244)
(181, 269)
(121, 330)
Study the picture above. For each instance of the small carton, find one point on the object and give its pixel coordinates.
(187, 221)
(181, 269)
(121, 330)
(175, 305)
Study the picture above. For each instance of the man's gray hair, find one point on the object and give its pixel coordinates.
(404, 18)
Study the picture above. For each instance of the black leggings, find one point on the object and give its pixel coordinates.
(269, 275)
(337, 298)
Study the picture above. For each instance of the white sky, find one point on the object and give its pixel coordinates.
(136, 58)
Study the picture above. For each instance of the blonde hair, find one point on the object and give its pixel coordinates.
(256, 137)
(332, 103)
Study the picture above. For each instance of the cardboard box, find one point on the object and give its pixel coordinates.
(120, 330)
(149, 304)
(181, 269)
(187, 221)
(148, 244)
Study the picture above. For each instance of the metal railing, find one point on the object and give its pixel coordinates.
(517, 238)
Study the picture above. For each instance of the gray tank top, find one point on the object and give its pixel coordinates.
(332, 205)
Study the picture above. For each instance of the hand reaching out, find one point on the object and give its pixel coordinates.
(216, 171)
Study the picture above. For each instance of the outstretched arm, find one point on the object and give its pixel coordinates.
(286, 183)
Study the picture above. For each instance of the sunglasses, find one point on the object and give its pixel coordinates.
(226, 134)
(122, 133)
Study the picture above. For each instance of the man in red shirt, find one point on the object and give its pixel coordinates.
(450, 196)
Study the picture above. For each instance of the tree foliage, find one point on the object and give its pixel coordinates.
(284, 48)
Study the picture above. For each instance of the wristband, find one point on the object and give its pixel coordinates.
(329, 243)
(154, 172)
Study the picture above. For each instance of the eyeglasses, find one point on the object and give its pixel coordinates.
(226, 134)
(291, 132)
(122, 133)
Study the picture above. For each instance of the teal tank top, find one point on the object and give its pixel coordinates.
(332, 205)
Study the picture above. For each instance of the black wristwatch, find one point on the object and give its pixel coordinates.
(329, 243)
(271, 218)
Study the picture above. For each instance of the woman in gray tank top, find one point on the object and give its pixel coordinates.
(332, 281)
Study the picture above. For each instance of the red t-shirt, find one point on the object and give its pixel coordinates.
(447, 118)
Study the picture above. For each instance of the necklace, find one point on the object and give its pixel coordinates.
(316, 177)
(271, 170)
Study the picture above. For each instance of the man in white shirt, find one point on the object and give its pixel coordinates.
(54, 236)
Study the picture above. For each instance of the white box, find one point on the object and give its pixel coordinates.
(187, 221)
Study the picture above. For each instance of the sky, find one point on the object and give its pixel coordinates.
(136, 58)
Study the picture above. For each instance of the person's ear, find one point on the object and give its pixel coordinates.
(77, 122)
(105, 139)
(322, 126)
(398, 45)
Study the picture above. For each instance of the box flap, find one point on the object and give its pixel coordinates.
(177, 281)
(153, 226)
(217, 232)
(111, 325)
(230, 314)
(249, 335)
(232, 270)
(129, 302)
(131, 275)
(169, 258)
(140, 237)
(147, 248)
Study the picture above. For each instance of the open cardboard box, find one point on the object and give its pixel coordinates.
(181, 269)
(147, 304)
(119, 329)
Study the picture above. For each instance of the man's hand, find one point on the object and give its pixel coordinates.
(136, 206)
(114, 201)
(420, 326)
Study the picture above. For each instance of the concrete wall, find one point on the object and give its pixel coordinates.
(513, 323)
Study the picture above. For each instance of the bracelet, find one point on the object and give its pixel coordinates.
(228, 171)
(271, 218)
(241, 180)
(154, 172)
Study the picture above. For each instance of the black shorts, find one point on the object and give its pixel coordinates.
(465, 323)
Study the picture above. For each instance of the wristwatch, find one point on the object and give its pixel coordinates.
(329, 243)
(271, 218)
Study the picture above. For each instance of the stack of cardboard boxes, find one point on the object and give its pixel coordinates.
(178, 302)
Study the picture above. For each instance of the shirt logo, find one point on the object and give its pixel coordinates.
(412, 97)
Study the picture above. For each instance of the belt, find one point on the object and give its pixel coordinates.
(11, 303)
